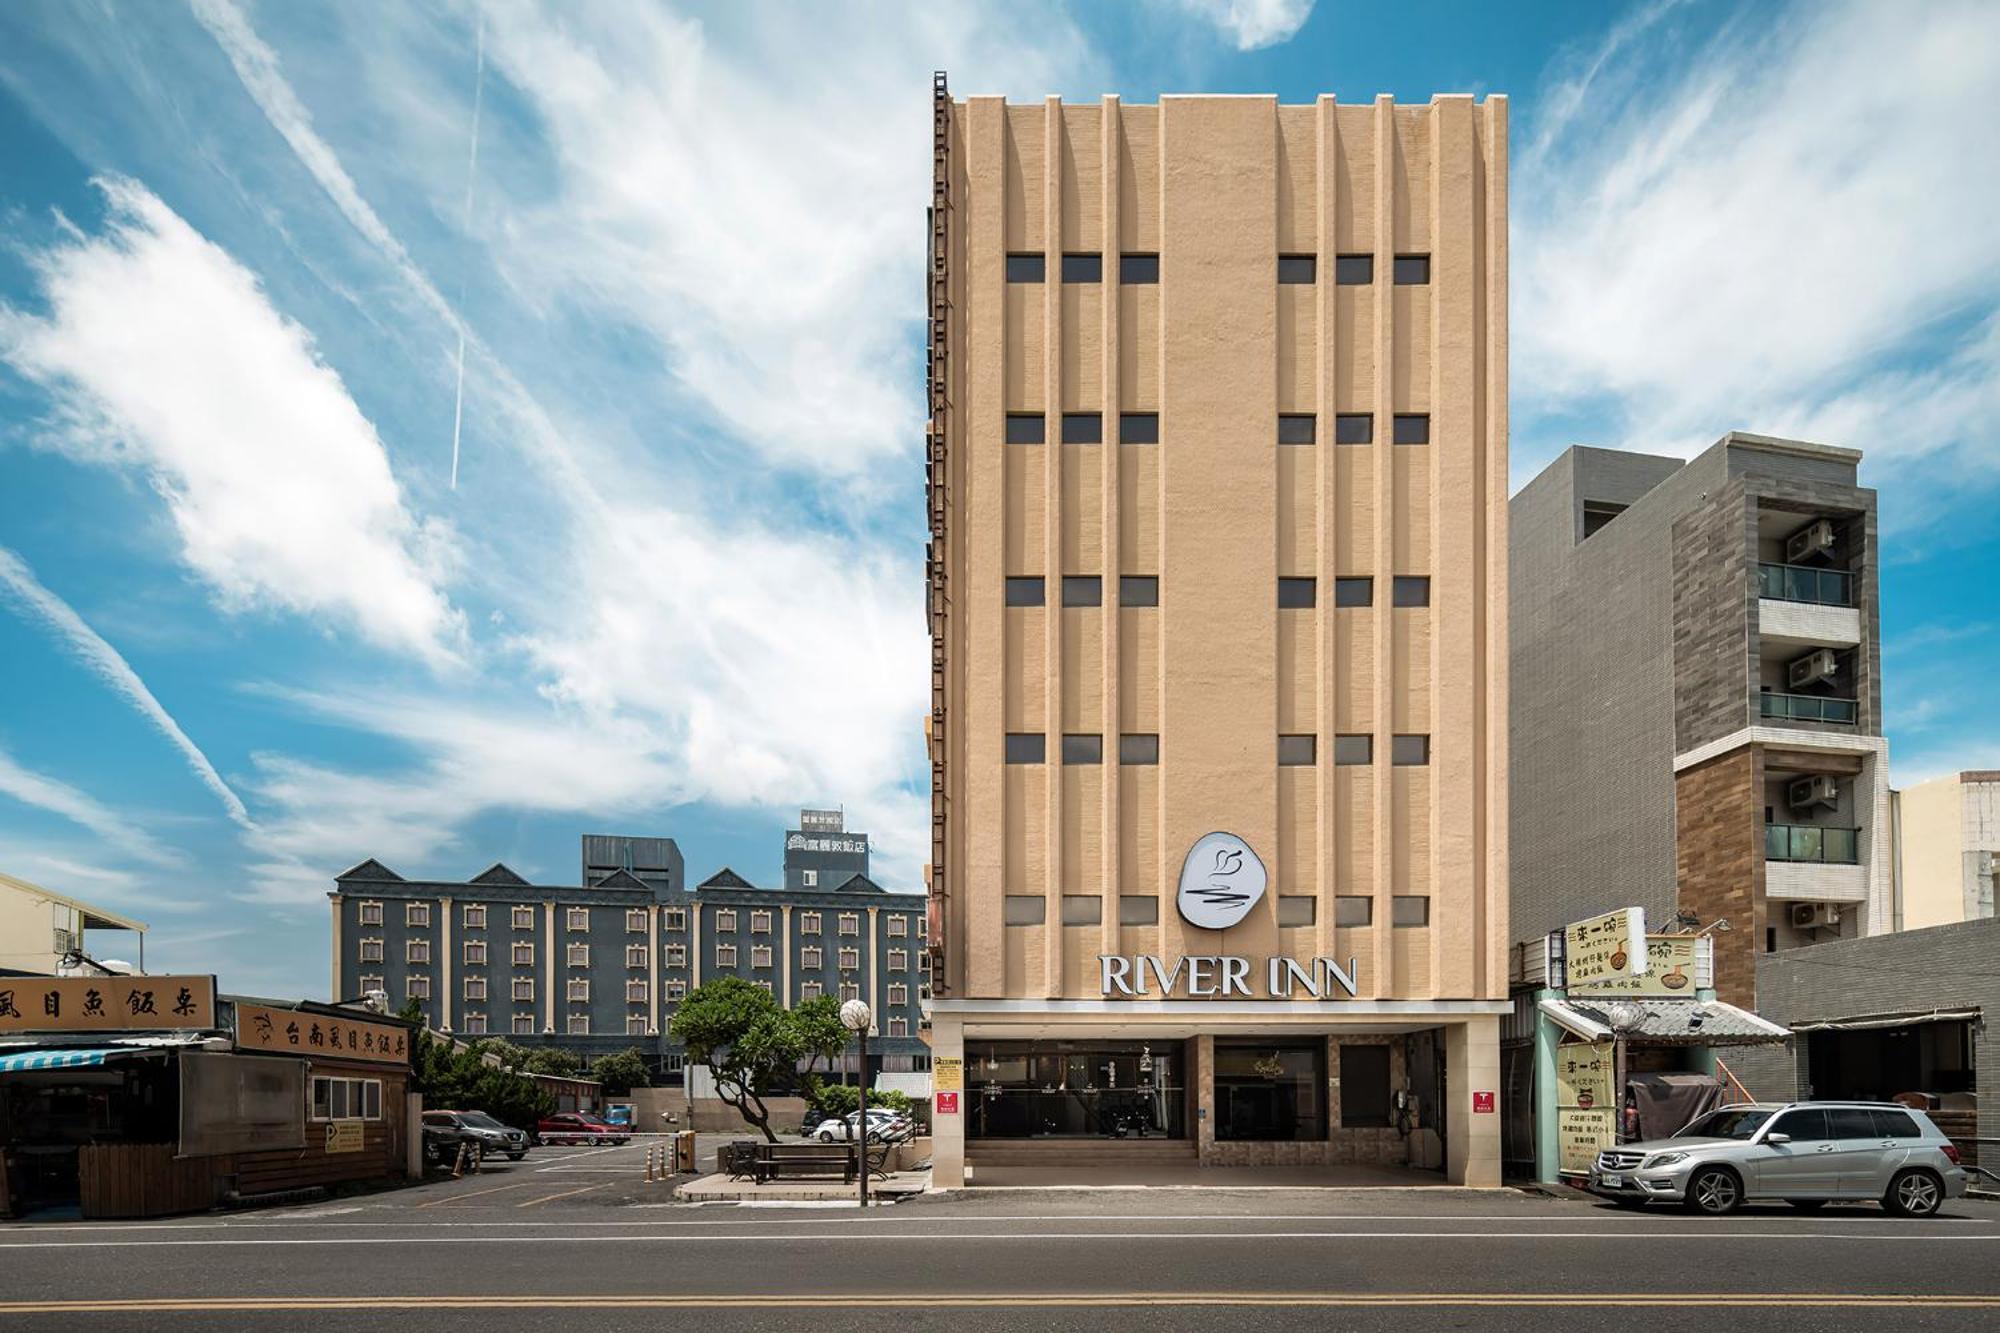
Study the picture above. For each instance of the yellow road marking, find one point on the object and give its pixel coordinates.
(1676, 1300)
(564, 1195)
(473, 1194)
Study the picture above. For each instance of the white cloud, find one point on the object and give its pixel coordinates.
(166, 357)
(80, 808)
(1764, 241)
(19, 585)
(753, 199)
(1252, 24)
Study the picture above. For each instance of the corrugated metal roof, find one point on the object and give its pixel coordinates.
(1684, 1022)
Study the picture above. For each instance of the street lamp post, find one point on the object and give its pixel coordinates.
(855, 1016)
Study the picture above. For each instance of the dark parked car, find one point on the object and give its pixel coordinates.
(577, 1127)
(446, 1131)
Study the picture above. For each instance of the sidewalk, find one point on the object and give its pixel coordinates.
(897, 1184)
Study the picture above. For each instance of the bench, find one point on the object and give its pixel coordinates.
(801, 1160)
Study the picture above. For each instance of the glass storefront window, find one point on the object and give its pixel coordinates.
(1075, 1089)
(1270, 1090)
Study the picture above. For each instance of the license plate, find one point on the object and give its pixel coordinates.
(1613, 1182)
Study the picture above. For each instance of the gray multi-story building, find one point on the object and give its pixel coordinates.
(1696, 697)
(821, 853)
(602, 966)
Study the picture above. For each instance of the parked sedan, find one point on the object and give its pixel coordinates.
(1808, 1154)
(883, 1127)
(446, 1131)
(577, 1127)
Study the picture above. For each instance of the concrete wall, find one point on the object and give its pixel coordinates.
(1950, 838)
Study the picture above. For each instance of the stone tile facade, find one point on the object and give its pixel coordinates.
(1718, 810)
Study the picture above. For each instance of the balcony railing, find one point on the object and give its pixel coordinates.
(1805, 583)
(1807, 707)
(1812, 842)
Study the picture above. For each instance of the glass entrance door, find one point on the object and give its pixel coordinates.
(1270, 1090)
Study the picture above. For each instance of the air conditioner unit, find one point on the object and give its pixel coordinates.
(1815, 538)
(1816, 666)
(1815, 916)
(1819, 790)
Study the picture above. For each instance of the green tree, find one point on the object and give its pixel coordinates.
(622, 1072)
(458, 1078)
(553, 1061)
(752, 1046)
(821, 1037)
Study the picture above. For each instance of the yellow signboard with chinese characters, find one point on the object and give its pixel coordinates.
(1583, 1076)
(948, 1074)
(1580, 1136)
(106, 1004)
(296, 1032)
(1605, 947)
(1670, 968)
(344, 1136)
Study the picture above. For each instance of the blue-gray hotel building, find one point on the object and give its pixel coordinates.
(600, 966)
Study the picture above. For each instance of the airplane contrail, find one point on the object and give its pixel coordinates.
(471, 175)
(112, 668)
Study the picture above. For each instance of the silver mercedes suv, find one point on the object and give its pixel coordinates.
(1807, 1153)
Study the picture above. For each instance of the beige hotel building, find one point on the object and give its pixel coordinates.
(1218, 503)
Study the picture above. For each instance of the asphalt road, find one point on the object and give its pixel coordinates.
(575, 1235)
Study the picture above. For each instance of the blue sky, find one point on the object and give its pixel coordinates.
(252, 632)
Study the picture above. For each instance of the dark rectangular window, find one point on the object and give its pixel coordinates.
(1413, 270)
(1412, 590)
(1355, 591)
(1353, 270)
(1024, 268)
(1138, 428)
(1139, 590)
(1026, 747)
(1351, 750)
(1025, 590)
(1413, 428)
(1364, 1087)
(1297, 594)
(1297, 909)
(1410, 909)
(1297, 428)
(1353, 428)
(1138, 909)
(1139, 268)
(1410, 751)
(1297, 269)
(1082, 909)
(1353, 909)
(1597, 513)
(1139, 749)
(1026, 909)
(1083, 428)
(1079, 749)
(1297, 751)
(1027, 428)
(1090, 268)
(1083, 590)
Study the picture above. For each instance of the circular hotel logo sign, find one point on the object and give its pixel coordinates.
(1221, 880)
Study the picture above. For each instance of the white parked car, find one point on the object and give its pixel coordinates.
(883, 1126)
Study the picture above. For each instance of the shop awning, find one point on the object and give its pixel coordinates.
(1886, 1020)
(1665, 1021)
(18, 1061)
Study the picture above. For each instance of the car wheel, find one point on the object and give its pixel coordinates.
(1715, 1190)
(826, 1136)
(515, 1156)
(1807, 1205)
(1914, 1193)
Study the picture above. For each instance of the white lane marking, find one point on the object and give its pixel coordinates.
(904, 1238)
(269, 1221)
